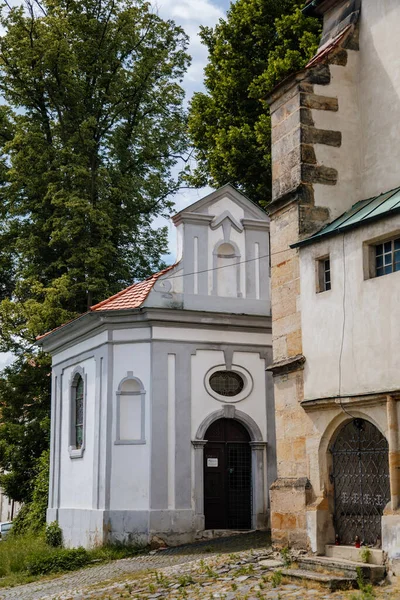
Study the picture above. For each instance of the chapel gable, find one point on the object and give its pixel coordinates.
(222, 257)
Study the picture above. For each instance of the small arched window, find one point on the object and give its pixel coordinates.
(226, 270)
(78, 407)
(77, 423)
(130, 411)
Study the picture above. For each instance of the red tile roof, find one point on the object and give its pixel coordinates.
(325, 50)
(131, 297)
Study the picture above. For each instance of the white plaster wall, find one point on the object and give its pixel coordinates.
(84, 346)
(76, 475)
(216, 236)
(134, 333)
(224, 204)
(203, 404)
(368, 91)
(211, 335)
(370, 358)
(380, 95)
(130, 469)
(179, 241)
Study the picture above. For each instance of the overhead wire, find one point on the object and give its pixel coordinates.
(343, 331)
(269, 255)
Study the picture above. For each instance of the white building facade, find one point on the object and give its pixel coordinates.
(162, 409)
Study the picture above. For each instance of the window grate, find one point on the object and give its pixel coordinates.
(239, 486)
(79, 414)
(387, 257)
(226, 383)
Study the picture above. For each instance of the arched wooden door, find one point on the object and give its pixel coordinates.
(361, 481)
(227, 476)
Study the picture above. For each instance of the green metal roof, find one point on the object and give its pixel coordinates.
(362, 212)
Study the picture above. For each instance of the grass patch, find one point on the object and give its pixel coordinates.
(28, 557)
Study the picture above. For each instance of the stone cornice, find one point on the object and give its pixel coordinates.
(253, 224)
(194, 218)
(346, 403)
(288, 365)
(199, 443)
(93, 323)
(291, 482)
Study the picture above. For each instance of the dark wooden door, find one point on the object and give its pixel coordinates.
(227, 476)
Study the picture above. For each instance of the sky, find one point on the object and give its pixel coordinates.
(189, 14)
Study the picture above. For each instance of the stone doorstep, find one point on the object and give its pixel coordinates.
(333, 582)
(212, 534)
(374, 573)
(270, 563)
(377, 557)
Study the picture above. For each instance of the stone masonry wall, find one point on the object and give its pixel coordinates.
(294, 216)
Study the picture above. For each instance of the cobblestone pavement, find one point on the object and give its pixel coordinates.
(226, 569)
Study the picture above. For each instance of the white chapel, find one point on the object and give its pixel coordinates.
(162, 408)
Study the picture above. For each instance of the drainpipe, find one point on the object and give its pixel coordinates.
(394, 452)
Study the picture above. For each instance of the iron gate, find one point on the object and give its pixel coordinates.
(361, 481)
(227, 476)
(239, 486)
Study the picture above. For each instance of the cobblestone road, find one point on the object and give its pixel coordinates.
(226, 569)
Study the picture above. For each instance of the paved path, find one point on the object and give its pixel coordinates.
(225, 569)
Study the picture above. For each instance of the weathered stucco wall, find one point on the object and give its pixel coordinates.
(350, 332)
(130, 467)
(379, 93)
(368, 92)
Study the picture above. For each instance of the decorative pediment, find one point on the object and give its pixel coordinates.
(226, 220)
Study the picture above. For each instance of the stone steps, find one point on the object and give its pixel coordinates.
(330, 581)
(376, 557)
(347, 568)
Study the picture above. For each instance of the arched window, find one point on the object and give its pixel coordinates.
(130, 411)
(77, 427)
(78, 407)
(227, 270)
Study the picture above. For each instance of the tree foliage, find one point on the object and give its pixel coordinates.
(259, 43)
(91, 128)
(24, 430)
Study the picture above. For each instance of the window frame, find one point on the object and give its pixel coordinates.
(320, 271)
(392, 252)
(244, 374)
(120, 393)
(74, 451)
(369, 254)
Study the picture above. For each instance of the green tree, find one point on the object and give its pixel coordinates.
(91, 129)
(259, 43)
(25, 422)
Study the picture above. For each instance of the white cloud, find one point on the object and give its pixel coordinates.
(190, 15)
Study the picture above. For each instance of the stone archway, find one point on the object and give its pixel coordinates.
(258, 461)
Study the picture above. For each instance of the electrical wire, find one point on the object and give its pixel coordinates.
(216, 268)
(343, 330)
(234, 264)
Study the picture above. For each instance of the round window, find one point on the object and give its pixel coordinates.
(226, 383)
